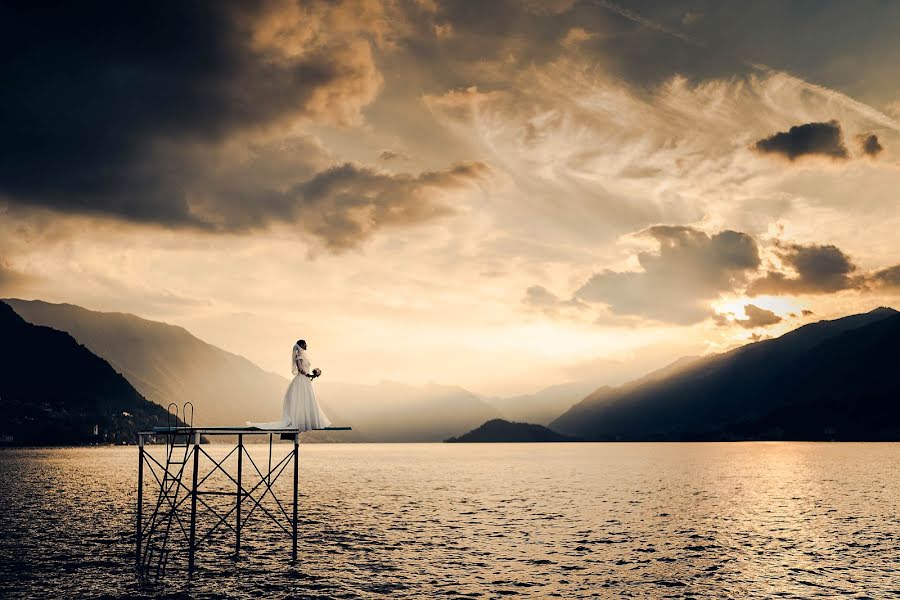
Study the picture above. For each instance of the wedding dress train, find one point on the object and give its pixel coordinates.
(301, 408)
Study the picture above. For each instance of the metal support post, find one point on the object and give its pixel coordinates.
(240, 496)
(193, 534)
(294, 523)
(140, 499)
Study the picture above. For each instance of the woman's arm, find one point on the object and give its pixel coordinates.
(303, 365)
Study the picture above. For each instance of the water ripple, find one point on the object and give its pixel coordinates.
(485, 521)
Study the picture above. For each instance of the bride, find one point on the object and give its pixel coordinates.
(301, 409)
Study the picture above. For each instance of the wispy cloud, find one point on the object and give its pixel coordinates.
(649, 23)
(874, 115)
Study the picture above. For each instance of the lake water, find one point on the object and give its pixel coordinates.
(791, 520)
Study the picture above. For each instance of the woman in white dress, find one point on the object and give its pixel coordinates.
(301, 409)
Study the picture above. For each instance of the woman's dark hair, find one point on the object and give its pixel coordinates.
(302, 344)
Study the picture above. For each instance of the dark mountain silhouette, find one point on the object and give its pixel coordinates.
(166, 363)
(498, 430)
(54, 391)
(826, 380)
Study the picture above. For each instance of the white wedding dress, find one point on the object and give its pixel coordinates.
(301, 409)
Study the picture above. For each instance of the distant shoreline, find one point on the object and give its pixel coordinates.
(7, 449)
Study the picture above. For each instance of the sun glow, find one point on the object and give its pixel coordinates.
(733, 308)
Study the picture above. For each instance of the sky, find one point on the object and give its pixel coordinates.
(501, 195)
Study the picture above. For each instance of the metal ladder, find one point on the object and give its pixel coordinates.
(156, 552)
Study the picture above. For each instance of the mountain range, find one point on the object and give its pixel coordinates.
(54, 391)
(544, 405)
(166, 364)
(827, 380)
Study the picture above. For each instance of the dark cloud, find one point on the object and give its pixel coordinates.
(818, 269)
(889, 277)
(757, 317)
(806, 312)
(811, 139)
(388, 155)
(730, 37)
(460, 44)
(115, 108)
(488, 44)
(347, 203)
(678, 281)
(869, 144)
(342, 205)
(726, 39)
(754, 317)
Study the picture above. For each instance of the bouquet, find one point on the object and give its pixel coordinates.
(315, 373)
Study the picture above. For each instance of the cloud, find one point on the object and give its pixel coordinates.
(677, 282)
(577, 35)
(757, 317)
(122, 110)
(540, 298)
(388, 155)
(341, 205)
(822, 139)
(806, 312)
(348, 203)
(869, 144)
(889, 277)
(753, 317)
(817, 269)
